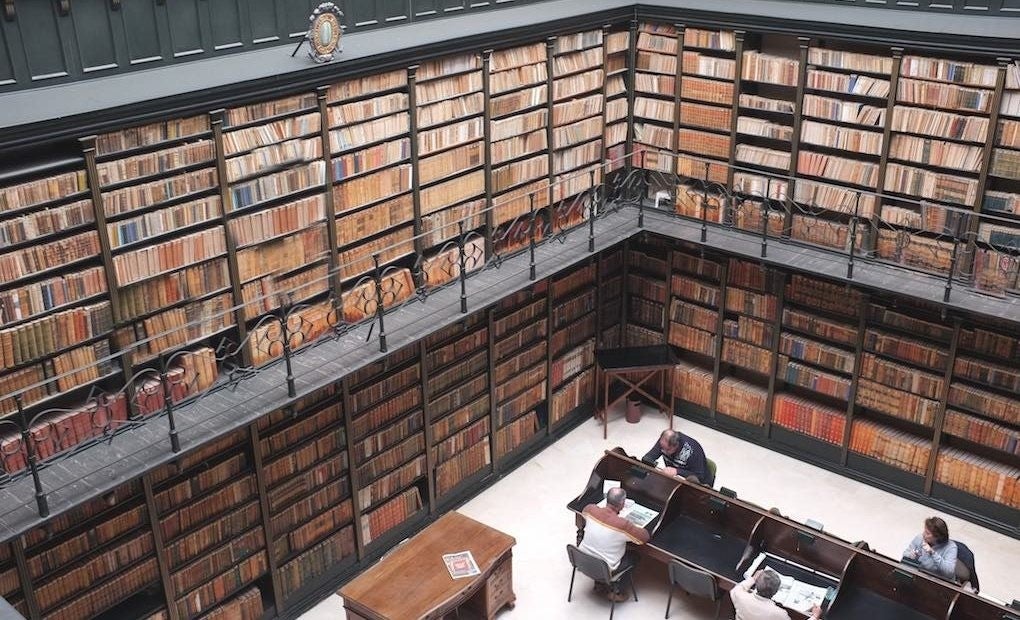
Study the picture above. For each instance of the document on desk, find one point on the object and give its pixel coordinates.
(792, 594)
(635, 513)
(461, 564)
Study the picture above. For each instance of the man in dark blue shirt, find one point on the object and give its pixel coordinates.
(681, 455)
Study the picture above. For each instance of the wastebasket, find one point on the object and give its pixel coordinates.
(633, 411)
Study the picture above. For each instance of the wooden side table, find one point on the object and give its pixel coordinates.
(413, 583)
(652, 362)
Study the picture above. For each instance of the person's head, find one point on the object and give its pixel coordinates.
(766, 584)
(616, 498)
(669, 442)
(936, 532)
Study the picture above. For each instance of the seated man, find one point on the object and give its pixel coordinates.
(932, 549)
(606, 534)
(682, 455)
(752, 598)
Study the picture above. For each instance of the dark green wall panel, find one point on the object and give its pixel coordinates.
(265, 24)
(185, 29)
(93, 33)
(141, 32)
(225, 23)
(297, 12)
(6, 59)
(40, 36)
(393, 11)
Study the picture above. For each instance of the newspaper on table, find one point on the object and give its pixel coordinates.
(792, 594)
(461, 564)
(632, 511)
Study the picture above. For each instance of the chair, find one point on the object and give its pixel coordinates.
(598, 569)
(965, 570)
(710, 480)
(693, 581)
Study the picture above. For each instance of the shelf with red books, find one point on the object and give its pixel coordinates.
(694, 311)
(10, 581)
(887, 454)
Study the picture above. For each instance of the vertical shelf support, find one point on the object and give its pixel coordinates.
(419, 241)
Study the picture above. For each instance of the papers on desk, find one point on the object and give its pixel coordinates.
(634, 512)
(461, 564)
(792, 594)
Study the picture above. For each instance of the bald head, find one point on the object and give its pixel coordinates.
(616, 497)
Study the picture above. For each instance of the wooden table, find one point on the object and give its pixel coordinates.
(651, 362)
(413, 583)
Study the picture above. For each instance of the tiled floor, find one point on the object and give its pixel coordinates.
(530, 504)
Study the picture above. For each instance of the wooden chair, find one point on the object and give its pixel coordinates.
(598, 569)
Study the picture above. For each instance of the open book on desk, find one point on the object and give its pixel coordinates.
(792, 594)
(632, 511)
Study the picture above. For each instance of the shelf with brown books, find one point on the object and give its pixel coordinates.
(610, 297)
(387, 416)
(573, 316)
(576, 112)
(457, 366)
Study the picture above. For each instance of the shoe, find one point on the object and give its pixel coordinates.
(619, 597)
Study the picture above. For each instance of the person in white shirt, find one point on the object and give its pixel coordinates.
(752, 598)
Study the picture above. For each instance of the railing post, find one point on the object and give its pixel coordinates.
(704, 207)
(531, 235)
(379, 303)
(26, 438)
(765, 218)
(643, 192)
(592, 210)
(286, 307)
(953, 258)
(168, 402)
(462, 261)
(853, 238)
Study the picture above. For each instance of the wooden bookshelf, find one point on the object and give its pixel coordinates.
(573, 324)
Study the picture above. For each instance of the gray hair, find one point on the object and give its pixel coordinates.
(616, 497)
(672, 438)
(767, 584)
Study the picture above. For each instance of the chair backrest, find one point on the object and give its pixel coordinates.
(965, 557)
(711, 472)
(594, 567)
(694, 581)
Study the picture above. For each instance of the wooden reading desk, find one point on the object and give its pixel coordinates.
(723, 536)
(651, 362)
(413, 583)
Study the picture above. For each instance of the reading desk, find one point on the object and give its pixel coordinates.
(412, 582)
(729, 538)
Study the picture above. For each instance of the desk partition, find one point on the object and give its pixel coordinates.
(724, 535)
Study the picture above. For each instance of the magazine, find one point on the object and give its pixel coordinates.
(461, 564)
(792, 594)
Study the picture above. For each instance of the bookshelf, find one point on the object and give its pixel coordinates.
(749, 331)
(387, 432)
(645, 293)
(518, 113)
(576, 127)
(210, 526)
(304, 469)
(371, 154)
(609, 293)
(520, 328)
(450, 183)
(656, 76)
(616, 111)
(573, 325)
(52, 323)
(457, 397)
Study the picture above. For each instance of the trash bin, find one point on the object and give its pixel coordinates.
(633, 411)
